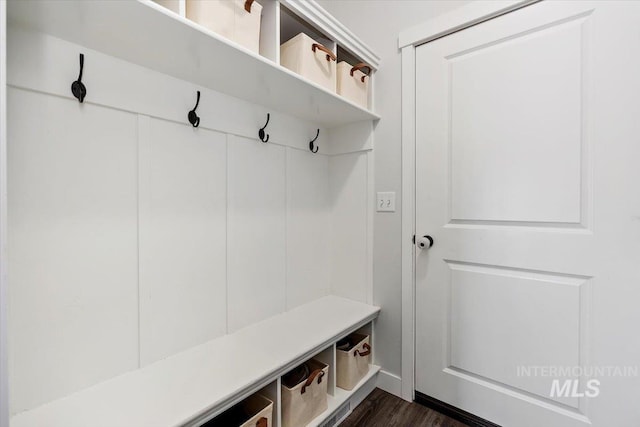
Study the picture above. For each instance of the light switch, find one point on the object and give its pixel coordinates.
(386, 201)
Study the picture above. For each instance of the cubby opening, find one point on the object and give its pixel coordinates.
(344, 55)
(291, 25)
(354, 358)
(259, 409)
(367, 329)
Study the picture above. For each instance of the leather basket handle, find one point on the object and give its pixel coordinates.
(247, 5)
(330, 55)
(360, 66)
(366, 352)
(262, 422)
(317, 373)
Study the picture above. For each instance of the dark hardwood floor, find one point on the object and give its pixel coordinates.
(381, 409)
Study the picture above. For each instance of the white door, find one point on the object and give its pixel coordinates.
(527, 175)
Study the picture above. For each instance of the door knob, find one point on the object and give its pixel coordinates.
(425, 242)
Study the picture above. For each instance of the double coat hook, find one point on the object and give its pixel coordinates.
(261, 132)
(192, 116)
(312, 143)
(78, 88)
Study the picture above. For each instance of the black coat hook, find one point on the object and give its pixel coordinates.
(311, 143)
(78, 88)
(261, 133)
(193, 117)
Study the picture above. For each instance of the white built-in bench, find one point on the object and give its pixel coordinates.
(195, 385)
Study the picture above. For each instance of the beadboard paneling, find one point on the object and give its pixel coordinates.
(256, 241)
(308, 225)
(183, 190)
(73, 295)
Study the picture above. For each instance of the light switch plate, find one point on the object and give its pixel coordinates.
(386, 201)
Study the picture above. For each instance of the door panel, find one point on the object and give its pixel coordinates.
(537, 307)
(519, 78)
(524, 123)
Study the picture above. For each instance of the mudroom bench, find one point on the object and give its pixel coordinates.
(165, 270)
(191, 387)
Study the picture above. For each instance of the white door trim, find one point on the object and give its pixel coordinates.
(408, 40)
(4, 374)
(458, 19)
(408, 220)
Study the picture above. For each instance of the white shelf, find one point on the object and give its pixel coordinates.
(145, 33)
(211, 377)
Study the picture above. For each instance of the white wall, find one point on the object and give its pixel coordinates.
(134, 236)
(378, 24)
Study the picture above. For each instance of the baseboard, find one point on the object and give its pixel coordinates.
(390, 383)
(453, 412)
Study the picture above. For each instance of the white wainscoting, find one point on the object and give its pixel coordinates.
(349, 236)
(73, 294)
(257, 232)
(308, 227)
(183, 231)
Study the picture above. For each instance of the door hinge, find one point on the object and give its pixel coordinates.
(414, 239)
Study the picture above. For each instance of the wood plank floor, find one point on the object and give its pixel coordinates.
(381, 409)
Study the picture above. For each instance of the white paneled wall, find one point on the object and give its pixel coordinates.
(349, 225)
(182, 199)
(256, 233)
(134, 236)
(73, 298)
(308, 227)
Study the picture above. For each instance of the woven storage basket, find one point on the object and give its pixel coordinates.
(352, 83)
(307, 399)
(310, 59)
(236, 20)
(353, 365)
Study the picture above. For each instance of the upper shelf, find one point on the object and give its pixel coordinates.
(149, 35)
(208, 377)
